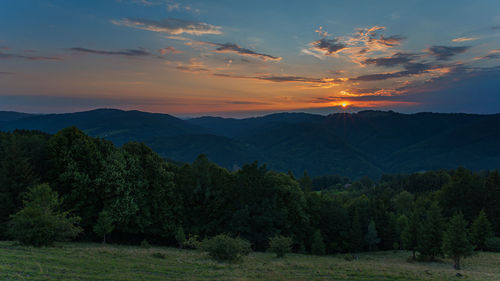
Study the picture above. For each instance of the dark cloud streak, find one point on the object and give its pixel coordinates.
(446, 52)
(129, 52)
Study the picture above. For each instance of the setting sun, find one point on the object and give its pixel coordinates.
(344, 104)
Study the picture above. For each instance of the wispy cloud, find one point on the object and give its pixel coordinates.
(169, 50)
(171, 26)
(410, 69)
(312, 81)
(237, 49)
(464, 39)
(34, 58)
(129, 52)
(193, 66)
(446, 52)
(394, 60)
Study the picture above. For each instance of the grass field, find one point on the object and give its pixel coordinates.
(80, 261)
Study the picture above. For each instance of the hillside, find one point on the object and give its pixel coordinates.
(352, 144)
(79, 261)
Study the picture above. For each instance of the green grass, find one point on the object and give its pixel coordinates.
(81, 261)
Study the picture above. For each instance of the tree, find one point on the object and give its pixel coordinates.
(40, 222)
(305, 182)
(180, 237)
(16, 176)
(403, 202)
(104, 225)
(480, 230)
(409, 236)
(371, 237)
(356, 234)
(455, 242)
(280, 245)
(430, 234)
(318, 245)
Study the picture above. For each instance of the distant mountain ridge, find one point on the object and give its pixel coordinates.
(351, 144)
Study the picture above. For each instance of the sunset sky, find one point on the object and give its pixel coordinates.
(245, 58)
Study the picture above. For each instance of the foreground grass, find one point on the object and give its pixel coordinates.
(80, 261)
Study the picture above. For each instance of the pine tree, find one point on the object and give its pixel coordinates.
(371, 237)
(318, 245)
(455, 242)
(305, 182)
(430, 234)
(480, 230)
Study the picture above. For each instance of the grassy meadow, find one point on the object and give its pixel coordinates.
(81, 261)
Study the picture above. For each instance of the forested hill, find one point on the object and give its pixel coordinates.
(366, 143)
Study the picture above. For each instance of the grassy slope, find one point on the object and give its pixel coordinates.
(78, 261)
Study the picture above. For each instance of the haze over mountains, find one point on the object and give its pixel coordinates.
(366, 143)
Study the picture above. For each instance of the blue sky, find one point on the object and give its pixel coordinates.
(243, 58)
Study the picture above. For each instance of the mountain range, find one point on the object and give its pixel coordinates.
(367, 143)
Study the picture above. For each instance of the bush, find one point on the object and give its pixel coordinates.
(193, 242)
(492, 244)
(280, 245)
(158, 255)
(145, 244)
(225, 248)
(40, 223)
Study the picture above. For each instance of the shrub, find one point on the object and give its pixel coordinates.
(158, 255)
(492, 244)
(40, 223)
(280, 245)
(225, 248)
(145, 244)
(193, 242)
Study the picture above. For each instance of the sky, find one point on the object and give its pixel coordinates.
(249, 58)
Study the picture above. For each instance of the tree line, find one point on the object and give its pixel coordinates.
(130, 194)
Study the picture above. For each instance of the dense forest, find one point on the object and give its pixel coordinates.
(367, 143)
(141, 196)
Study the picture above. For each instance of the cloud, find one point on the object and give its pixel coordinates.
(235, 48)
(247, 102)
(446, 52)
(328, 46)
(17, 56)
(171, 26)
(173, 6)
(194, 66)
(493, 54)
(311, 53)
(410, 69)
(6, 73)
(391, 40)
(169, 50)
(129, 52)
(464, 39)
(316, 82)
(394, 60)
(357, 47)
